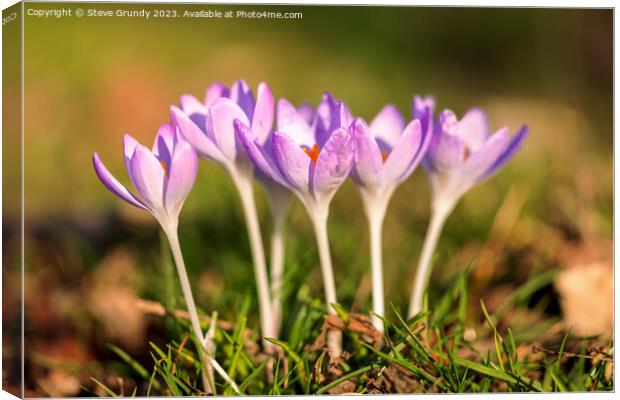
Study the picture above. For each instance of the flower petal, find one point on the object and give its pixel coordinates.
(367, 168)
(423, 109)
(324, 111)
(113, 184)
(513, 147)
(149, 178)
(191, 105)
(293, 163)
(428, 136)
(262, 121)
(214, 92)
(344, 118)
(183, 169)
(482, 160)
(222, 114)
(129, 146)
(333, 164)
(306, 111)
(241, 94)
(404, 157)
(164, 143)
(387, 126)
(196, 136)
(259, 156)
(294, 124)
(446, 150)
(330, 115)
(420, 104)
(195, 111)
(473, 129)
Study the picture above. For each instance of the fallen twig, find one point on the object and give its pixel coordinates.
(601, 356)
(155, 308)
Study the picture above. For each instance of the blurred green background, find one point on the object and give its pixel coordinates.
(90, 80)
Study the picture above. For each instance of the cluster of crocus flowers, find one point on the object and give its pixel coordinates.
(310, 152)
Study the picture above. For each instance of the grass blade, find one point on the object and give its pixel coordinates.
(109, 391)
(140, 370)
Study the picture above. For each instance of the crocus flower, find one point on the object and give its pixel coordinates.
(462, 153)
(260, 114)
(312, 159)
(208, 127)
(163, 178)
(279, 200)
(387, 152)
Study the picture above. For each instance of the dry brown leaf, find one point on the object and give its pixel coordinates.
(59, 384)
(398, 382)
(111, 297)
(586, 296)
(358, 323)
(346, 387)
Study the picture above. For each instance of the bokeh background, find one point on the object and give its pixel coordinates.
(90, 256)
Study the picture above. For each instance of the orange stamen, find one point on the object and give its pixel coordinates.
(164, 166)
(466, 153)
(384, 154)
(312, 153)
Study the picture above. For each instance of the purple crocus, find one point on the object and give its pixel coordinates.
(208, 127)
(163, 177)
(461, 154)
(311, 158)
(311, 154)
(387, 152)
(464, 153)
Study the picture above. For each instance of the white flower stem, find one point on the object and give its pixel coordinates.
(440, 213)
(225, 376)
(175, 248)
(243, 183)
(210, 348)
(375, 208)
(319, 221)
(277, 265)
(204, 353)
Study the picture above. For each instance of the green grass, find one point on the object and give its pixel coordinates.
(429, 353)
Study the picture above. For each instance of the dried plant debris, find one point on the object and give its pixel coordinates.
(586, 296)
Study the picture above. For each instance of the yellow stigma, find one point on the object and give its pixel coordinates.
(312, 153)
(164, 166)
